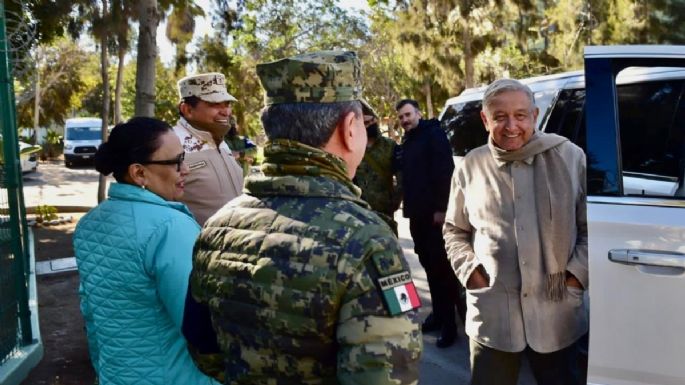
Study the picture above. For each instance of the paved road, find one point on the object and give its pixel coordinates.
(55, 185)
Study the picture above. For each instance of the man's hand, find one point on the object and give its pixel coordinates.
(572, 281)
(438, 218)
(477, 280)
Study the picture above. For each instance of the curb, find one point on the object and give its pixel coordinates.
(63, 209)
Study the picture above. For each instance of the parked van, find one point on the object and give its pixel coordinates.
(82, 137)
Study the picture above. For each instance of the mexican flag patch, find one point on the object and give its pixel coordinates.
(399, 293)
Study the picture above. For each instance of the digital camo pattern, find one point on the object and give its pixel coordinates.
(246, 149)
(289, 272)
(318, 77)
(210, 87)
(374, 177)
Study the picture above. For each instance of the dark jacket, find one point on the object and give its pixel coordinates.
(427, 167)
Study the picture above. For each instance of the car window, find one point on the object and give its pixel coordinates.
(568, 116)
(464, 127)
(651, 138)
(84, 133)
(544, 100)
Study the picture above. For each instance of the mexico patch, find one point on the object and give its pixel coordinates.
(399, 293)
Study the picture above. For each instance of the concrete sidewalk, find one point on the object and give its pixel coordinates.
(69, 190)
(60, 265)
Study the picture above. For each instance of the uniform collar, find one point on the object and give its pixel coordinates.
(203, 136)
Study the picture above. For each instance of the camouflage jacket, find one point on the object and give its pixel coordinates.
(292, 270)
(375, 176)
(245, 148)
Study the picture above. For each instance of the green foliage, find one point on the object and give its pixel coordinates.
(180, 28)
(53, 144)
(166, 98)
(428, 50)
(45, 213)
(253, 31)
(52, 137)
(385, 79)
(61, 67)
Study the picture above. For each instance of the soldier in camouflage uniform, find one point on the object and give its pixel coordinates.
(243, 149)
(304, 283)
(378, 174)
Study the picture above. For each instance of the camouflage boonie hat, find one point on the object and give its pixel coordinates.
(210, 87)
(317, 77)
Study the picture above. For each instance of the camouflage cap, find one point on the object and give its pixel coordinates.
(317, 77)
(210, 87)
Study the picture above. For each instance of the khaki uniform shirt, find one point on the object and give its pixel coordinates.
(215, 177)
(492, 221)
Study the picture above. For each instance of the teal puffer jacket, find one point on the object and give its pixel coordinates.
(134, 255)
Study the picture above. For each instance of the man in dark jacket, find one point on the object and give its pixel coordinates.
(427, 171)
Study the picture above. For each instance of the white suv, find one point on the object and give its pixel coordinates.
(636, 236)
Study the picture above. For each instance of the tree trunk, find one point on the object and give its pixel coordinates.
(117, 90)
(468, 57)
(36, 105)
(104, 63)
(147, 57)
(429, 98)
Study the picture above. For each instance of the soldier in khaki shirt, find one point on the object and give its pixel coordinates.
(215, 177)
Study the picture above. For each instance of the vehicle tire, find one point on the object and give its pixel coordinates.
(68, 163)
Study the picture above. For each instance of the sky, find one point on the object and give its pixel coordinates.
(203, 26)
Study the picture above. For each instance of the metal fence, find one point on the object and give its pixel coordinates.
(15, 324)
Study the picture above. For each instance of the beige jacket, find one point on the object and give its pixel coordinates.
(492, 221)
(215, 177)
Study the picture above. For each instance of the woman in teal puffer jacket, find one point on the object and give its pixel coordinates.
(134, 255)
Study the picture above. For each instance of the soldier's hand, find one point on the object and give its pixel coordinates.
(477, 280)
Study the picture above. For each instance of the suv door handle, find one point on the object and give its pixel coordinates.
(647, 257)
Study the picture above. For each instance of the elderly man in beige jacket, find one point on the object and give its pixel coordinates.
(516, 236)
(215, 176)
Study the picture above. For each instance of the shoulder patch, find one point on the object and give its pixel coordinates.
(399, 293)
(196, 165)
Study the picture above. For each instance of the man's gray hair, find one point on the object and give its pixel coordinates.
(505, 85)
(308, 123)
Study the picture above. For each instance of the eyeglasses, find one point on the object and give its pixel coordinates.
(178, 161)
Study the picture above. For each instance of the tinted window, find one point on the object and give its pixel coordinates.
(84, 133)
(568, 116)
(464, 128)
(651, 131)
